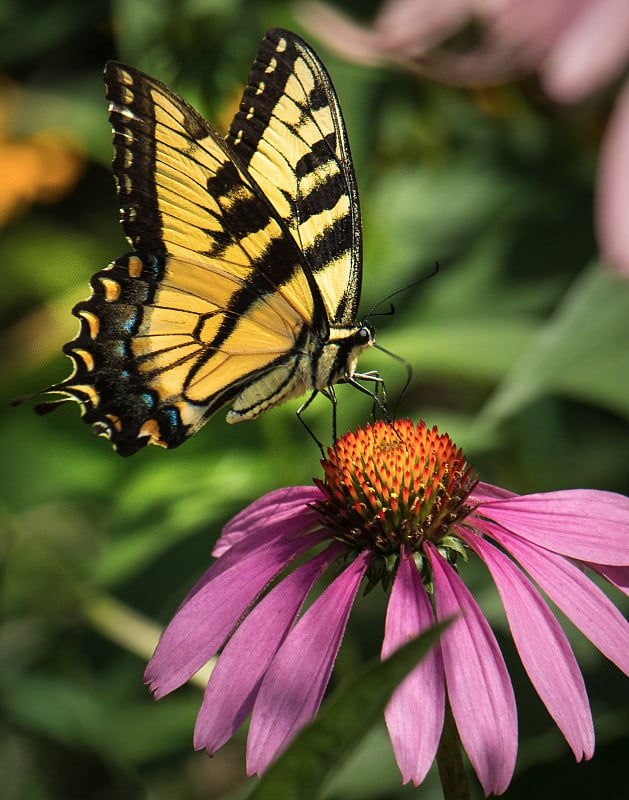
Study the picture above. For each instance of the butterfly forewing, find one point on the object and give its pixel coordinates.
(289, 133)
(182, 195)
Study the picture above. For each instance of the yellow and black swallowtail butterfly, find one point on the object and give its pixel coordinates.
(244, 282)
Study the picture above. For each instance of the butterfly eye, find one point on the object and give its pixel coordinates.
(364, 335)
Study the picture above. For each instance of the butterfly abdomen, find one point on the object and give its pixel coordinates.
(315, 366)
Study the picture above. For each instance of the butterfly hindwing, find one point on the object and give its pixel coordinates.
(147, 368)
(290, 135)
(244, 280)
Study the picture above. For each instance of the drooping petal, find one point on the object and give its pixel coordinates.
(284, 507)
(528, 29)
(574, 593)
(214, 606)
(340, 33)
(409, 28)
(228, 702)
(586, 524)
(544, 649)
(617, 576)
(577, 65)
(478, 684)
(293, 687)
(612, 187)
(414, 715)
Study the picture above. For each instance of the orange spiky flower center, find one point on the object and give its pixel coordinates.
(396, 484)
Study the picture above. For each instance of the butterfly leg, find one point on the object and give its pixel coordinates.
(331, 395)
(379, 394)
(375, 378)
(304, 406)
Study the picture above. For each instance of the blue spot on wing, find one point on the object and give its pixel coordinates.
(173, 419)
(129, 326)
(148, 399)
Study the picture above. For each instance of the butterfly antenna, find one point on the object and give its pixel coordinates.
(17, 401)
(399, 359)
(44, 407)
(391, 310)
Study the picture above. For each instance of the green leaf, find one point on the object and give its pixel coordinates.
(581, 352)
(461, 348)
(343, 721)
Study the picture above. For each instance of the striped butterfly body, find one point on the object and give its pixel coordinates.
(244, 280)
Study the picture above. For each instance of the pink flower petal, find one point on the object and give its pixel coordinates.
(478, 684)
(409, 28)
(577, 65)
(414, 715)
(591, 611)
(544, 649)
(293, 687)
(582, 523)
(231, 690)
(529, 29)
(287, 507)
(340, 33)
(612, 189)
(214, 606)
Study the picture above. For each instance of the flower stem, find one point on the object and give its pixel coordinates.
(450, 761)
(129, 629)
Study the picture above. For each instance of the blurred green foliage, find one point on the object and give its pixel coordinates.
(519, 348)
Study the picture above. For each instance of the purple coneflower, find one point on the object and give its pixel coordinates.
(400, 506)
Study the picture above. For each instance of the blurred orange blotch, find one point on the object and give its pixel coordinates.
(37, 167)
(231, 104)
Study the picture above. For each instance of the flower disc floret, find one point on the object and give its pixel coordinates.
(394, 484)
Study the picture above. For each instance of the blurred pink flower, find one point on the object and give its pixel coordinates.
(400, 506)
(576, 46)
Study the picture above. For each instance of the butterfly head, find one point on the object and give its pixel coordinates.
(362, 337)
(338, 359)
